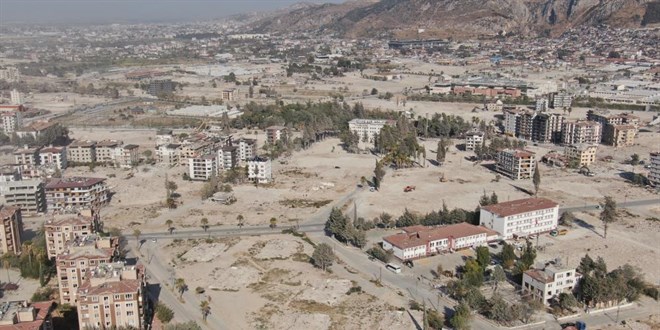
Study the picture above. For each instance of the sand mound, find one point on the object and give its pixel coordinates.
(278, 249)
(327, 292)
(233, 278)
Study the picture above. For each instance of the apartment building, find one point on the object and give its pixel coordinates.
(81, 152)
(63, 229)
(619, 135)
(169, 154)
(19, 315)
(260, 169)
(423, 241)
(546, 284)
(229, 94)
(35, 128)
(512, 121)
(520, 218)
(77, 193)
(54, 156)
(473, 139)
(581, 154)
(562, 100)
(654, 170)
(112, 296)
(127, 156)
(547, 127)
(11, 229)
(160, 87)
(366, 129)
(11, 122)
(10, 74)
(164, 136)
(227, 158)
(106, 151)
(516, 164)
(9, 173)
(73, 265)
(28, 195)
(195, 149)
(27, 157)
(605, 117)
(247, 148)
(202, 167)
(16, 97)
(275, 134)
(581, 132)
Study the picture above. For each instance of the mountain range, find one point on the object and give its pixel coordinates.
(458, 19)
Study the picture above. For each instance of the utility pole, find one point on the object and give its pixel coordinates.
(425, 325)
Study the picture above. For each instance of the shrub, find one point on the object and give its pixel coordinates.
(164, 313)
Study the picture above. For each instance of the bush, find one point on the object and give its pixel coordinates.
(652, 292)
(354, 289)
(164, 313)
(42, 294)
(379, 253)
(415, 306)
(199, 290)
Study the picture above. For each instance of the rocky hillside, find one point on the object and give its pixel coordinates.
(456, 18)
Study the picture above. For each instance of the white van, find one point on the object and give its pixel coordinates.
(393, 268)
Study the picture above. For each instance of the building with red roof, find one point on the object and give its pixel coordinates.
(520, 218)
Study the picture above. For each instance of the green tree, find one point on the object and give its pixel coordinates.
(473, 274)
(493, 199)
(164, 313)
(441, 151)
(241, 220)
(169, 223)
(508, 255)
(379, 253)
(379, 174)
(536, 179)
(181, 286)
(608, 213)
(527, 258)
(374, 91)
(634, 159)
(498, 277)
(461, 318)
(205, 308)
(483, 257)
(567, 218)
(323, 256)
(205, 224)
(337, 224)
(273, 222)
(567, 301)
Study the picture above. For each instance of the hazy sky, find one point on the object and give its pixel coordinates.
(108, 11)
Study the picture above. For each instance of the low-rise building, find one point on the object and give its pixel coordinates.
(75, 193)
(619, 135)
(11, 229)
(276, 133)
(82, 152)
(260, 169)
(473, 139)
(516, 164)
(654, 171)
(545, 284)
(112, 296)
(422, 241)
(169, 154)
(229, 94)
(54, 156)
(202, 167)
(63, 230)
(106, 151)
(581, 132)
(581, 154)
(19, 315)
(28, 195)
(36, 128)
(127, 156)
(520, 218)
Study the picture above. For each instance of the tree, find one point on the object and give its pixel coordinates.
(634, 159)
(163, 313)
(171, 187)
(379, 173)
(483, 257)
(273, 222)
(536, 179)
(205, 224)
(608, 213)
(498, 276)
(323, 256)
(379, 253)
(527, 258)
(241, 220)
(473, 274)
(508, 255)
(136, 234)
(567, 218)
(205, 308)
(461, 318)
(169, 224)
(210, 187)
(374, 91)
(337, 224)
(181, 286)
(567, 301)
(493, 199)
(441, 151)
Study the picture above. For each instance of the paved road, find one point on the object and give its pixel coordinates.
(632, 203)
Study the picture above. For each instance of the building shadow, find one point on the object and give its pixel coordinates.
(583, 224)
(521, 189)
(417, 325)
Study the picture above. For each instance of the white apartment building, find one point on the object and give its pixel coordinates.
(29, 195)
(82, 152)
(422, 241)
(260, 169)
(581, 154)
(10, 73)
(202, 167)
(562, 100)
(247, 148)
(127, 156)
(368, 128)
(654, 171)
(106, 150)
(575, 132)
(227, 158)
(511, 122)
(520, 218)
(16, 97)
(63, 230)
(545, 284)
(169, 154)
(77, 193)
(473, 139)
(26, 157)
(55, 156)
(11, 121)
(275, 133)
(516, 164)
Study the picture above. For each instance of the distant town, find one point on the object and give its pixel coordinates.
(206, 175)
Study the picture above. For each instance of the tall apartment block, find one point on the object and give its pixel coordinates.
(516, 164)
(11, 229)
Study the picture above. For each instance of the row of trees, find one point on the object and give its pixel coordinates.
(55, 135)
(490, 150)
(344, 230)
(598, 286)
